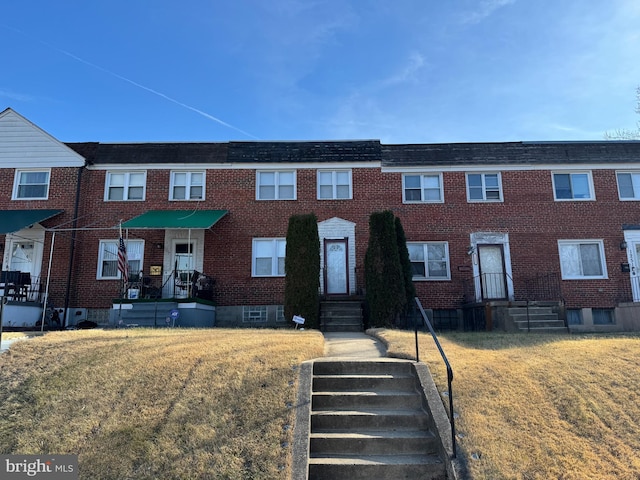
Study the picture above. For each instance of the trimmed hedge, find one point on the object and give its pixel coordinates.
(383, 272)
(302, 270)
(405, 263)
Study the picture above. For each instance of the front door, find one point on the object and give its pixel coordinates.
(183, 254)
(22, 256)
(492, 275)
(336, 267)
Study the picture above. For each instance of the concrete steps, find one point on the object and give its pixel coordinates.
(538, 319)
(341, 316)
(145, 314)
(368, 422)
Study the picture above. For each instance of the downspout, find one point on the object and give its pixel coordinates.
(73, 247)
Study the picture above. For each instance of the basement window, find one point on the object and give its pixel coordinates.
(254, 314)
(574, 316)
(602, 316)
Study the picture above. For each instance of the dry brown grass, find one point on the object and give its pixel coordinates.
(539, 406)
(170, 404)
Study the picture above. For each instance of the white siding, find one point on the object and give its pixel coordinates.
(24, 145)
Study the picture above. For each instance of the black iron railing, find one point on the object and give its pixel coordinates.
(20, 286)
(545, 287)
(494, 286)
(174, 284)
(427, 323)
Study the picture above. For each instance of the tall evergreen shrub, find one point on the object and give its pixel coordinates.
(302, 270)
(383, 271)
(405, 262)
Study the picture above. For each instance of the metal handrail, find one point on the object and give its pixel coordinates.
(447, 364)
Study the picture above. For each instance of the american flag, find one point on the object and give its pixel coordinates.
(123, 264)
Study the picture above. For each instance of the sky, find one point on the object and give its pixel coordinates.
(401, 71)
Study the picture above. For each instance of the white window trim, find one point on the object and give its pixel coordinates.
(484, 188)
(125, 194)
(274, 257)
(277, 184)
(636, 194)
(422, 175)
(249, 314)
(334, 183)
(592, 191)
(603, 260)
(14, 195)
(103, 242)
(189, 173)
(426, 260)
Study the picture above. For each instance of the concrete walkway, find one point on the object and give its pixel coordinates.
(352, 345)
(5, 344)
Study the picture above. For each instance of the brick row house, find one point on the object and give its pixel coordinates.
(492, 228)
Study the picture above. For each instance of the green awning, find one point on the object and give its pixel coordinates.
(14, 220)
(176, 219)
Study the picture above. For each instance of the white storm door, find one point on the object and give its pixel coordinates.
(633, 254)
(337, 278)
(492, 275)
(22, 257)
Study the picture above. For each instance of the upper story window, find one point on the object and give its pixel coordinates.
(422, 188)
(334, 184)
(582, 259)
(108, 258)
(187, 186)
(629, 185)
(429, 260)
(268, 257)
(125, 186)
(573, 186)
(276, 185)
(484, 187)
(31, 185)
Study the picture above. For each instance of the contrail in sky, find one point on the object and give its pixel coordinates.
(136, 84)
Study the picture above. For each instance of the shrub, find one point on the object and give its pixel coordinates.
(302, 269)
(383, 272)
(405, 264)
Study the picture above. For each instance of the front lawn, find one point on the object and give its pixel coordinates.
(539, 406)
(164, 403)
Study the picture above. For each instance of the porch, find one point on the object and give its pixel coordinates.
(493, 301)
(180, 298)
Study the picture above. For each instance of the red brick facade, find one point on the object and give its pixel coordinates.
(528, 218)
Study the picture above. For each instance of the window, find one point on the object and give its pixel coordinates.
(573, 186)
(445, 319)
(108, 258)
(484, 187)
(422, 188)
(268, 257)
(257, 314)
(602, 316)
(187, 186)
(429, 261)
(582, 259)
(334, 184)
(125, 186)
(280, 185)
(31, 184)
(629, 185)
(574, 316)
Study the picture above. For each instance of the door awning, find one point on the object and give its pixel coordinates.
(176, 219)
(14, 220)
